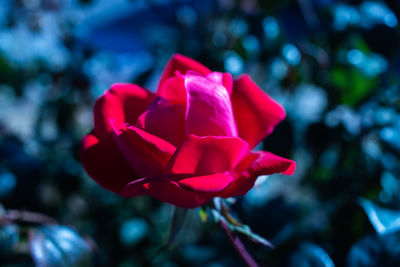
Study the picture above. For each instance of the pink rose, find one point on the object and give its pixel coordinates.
(189, 142)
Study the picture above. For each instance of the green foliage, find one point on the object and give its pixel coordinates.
(352, 85)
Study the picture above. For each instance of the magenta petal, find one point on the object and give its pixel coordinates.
(106, 166)
(209, 108)
(268, 163)
(167, 191)
(256, 114)
(164, 120)
(123, 103)
(136, 188)
(258, 163)
(227, 82)
(207, 155)
(173, 90)
(207, 183)
(174, 194)
(180, 64)
(223, 78)
(147, 154)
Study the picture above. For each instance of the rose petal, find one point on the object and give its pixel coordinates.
(224, 78)
(173, 89)
(147, 154)
(207, 183)
(181, 64)
(167, 191)
(123, 103)
(268, 163)
(174, 194)
(204, 183)
(259, 163)
(209, 108)
(207, 155)
(165, 121)
(256, 114)
(107, 167)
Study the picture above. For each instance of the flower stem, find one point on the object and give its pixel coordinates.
(238, 245)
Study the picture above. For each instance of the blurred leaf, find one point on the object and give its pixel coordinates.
(58, 246)
(391, 136)
(8, 182)
(359, 43)
(177, 221)
(133, 231)
(7, 73)
(375, 250)
(383, 220)
(203, 214)
(322, 174)
(353, 85)
(311, 254)
(199, 253)
(9, 236)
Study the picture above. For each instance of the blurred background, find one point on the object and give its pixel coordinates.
(333, 65)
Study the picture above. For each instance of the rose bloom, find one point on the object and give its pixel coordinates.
(190, 141)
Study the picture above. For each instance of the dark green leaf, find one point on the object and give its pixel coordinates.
(353, 85)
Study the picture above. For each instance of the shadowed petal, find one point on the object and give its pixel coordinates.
(107, 167)
(147, 154)
(164, 120)
(167, 191)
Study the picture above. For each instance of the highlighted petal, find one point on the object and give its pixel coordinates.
(259, 163)
(107, 167)
(207, 183)
(256, 114)
(224, 78)
(173, 89)
(181, 64)
(209, 108)
(123, 103)
(207, 155)
(147, 154)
